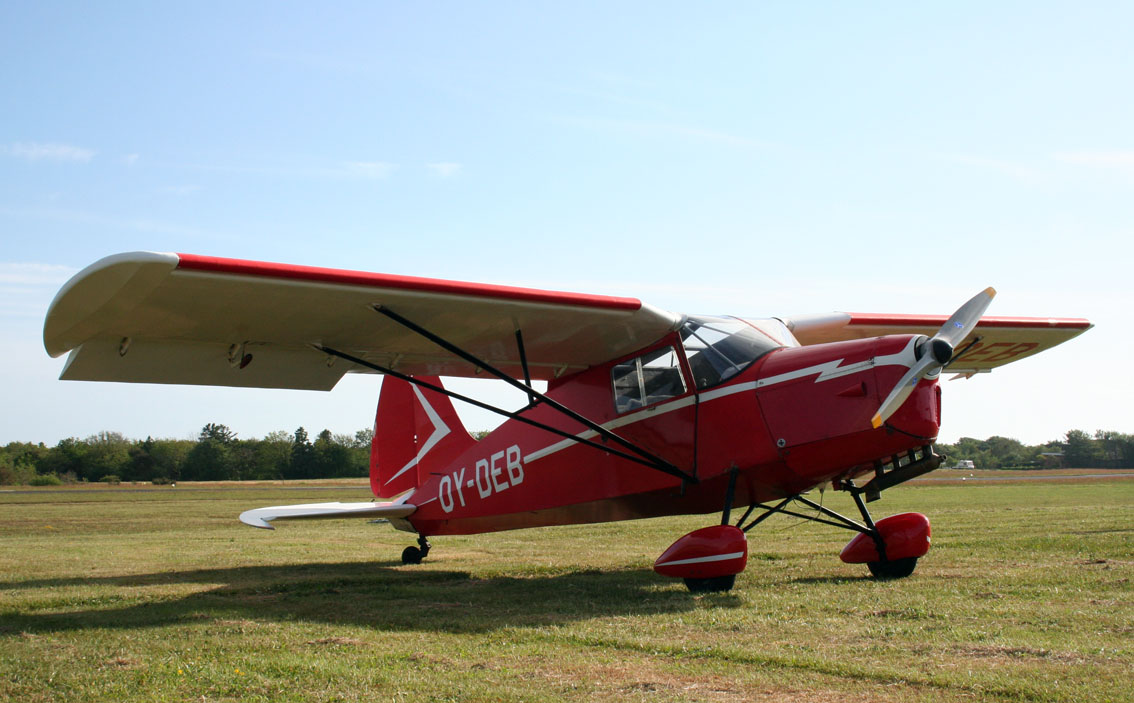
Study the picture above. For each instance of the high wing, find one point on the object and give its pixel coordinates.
(994, 342)
(179, 318)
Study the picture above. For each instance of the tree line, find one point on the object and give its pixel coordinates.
(219, 455)
(216, 455)
(1106, 449)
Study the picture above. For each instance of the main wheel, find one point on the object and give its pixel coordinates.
(412, 555)
(715, 584)
(895, 569)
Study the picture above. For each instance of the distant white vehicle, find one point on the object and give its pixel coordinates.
(965, 464)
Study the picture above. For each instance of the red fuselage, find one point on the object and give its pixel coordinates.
(793, 419)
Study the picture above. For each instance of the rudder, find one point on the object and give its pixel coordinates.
(416, 432)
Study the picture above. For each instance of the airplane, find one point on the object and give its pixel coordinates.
(646, 412)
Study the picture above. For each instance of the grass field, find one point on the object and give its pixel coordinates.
(163, 596)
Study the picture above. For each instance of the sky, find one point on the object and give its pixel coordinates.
(752, 159)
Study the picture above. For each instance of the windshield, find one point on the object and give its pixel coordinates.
(718, 348)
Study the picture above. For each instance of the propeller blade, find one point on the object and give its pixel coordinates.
(935, 352)
(966, 318)
(902, 390)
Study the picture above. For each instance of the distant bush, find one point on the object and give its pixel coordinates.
(45, 480)
(110, 478)
(160, 481)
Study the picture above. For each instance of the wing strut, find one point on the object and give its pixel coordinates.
(532, 399)
(652, 460)
(660, 465)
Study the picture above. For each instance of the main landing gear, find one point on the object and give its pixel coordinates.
(414, 555)
(710, 558)
(895, 569)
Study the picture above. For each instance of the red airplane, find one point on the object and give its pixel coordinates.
(646, 412)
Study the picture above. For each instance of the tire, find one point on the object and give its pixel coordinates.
(717, 584)
(896, 569)
(412, 555)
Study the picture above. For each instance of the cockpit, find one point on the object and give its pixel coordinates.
(719, 348)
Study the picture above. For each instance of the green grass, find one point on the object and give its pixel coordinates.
(164, 596)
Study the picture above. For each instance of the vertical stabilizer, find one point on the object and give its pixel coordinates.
(416, 432)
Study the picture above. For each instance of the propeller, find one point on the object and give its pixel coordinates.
(935, 352)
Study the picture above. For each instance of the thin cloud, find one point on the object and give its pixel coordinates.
(444, 169)
(1106, 159)
(182, 190)
(130, 159)
(48, 151)
(1011, 168)
(375, 170)
(33, 274)
(665, 130)
(90, 218)
(26, 288)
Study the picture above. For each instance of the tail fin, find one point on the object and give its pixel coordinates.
(416, 432)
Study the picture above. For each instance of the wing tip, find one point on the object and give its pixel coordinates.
(82, 296)
(252, 519)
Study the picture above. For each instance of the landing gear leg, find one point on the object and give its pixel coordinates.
(414, 555)
(718, 584)
(886, 568)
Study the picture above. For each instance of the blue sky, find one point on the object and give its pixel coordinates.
(729, 158)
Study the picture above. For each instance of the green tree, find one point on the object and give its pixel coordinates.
(169, 457)
(210, 460)
(15, 469)
(272, 456)
(218, 432)
(66, 459)
(141, 462)
(216, 456)
(339, 456)
(1080, 451)
(364, 438)
(108, 454)
(302, 461)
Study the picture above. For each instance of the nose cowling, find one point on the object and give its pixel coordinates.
(920, 415)
(818, 402)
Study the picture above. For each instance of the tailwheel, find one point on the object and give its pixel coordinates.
(716, 584)
(414, 555)
(893, 569)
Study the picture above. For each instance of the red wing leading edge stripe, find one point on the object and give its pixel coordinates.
(213, 264)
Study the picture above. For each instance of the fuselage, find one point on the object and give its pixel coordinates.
(787, 419)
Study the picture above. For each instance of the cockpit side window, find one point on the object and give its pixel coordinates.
(647, 379)
(718, 348)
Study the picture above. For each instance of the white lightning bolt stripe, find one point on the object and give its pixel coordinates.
(440, 430)
(630, 419)
(833, 369)
(826, 371)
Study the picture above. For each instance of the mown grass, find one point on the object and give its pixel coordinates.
(163, 596)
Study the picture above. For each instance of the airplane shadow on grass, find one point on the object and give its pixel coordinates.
(382, 595)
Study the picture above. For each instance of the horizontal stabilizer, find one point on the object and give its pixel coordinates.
(260, 517)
